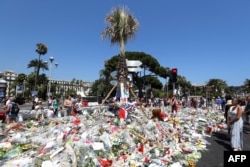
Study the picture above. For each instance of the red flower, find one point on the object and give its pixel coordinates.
(105, 162)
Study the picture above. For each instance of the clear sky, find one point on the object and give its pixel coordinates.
(204, 39)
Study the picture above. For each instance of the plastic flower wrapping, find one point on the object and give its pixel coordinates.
(96, 139)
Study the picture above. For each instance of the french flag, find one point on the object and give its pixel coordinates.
(128, 107)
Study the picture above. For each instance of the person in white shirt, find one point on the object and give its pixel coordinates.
(39, 111)
(50, 112)
(36, 99)
(8, 101)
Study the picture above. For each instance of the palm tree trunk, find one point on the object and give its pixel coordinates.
(37, 70)
(122, 71)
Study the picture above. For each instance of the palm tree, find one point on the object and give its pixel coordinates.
(41, 50)
(122, 26)
(34, 64)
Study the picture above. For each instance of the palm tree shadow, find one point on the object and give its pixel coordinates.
(223, 139)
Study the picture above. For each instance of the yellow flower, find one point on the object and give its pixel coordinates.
(191, 163)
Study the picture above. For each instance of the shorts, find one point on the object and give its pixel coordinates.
(11, 116)
(68, 111)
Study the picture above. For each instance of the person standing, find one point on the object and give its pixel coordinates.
(247, 111)
(50, 113)
(39, 111)
(78, 106)
(8, 101)
(227, 107)
(35, 101)
(50, 101)
(68, 106)
(236, 123)
(10, 116)
(55, 106)
(218, 103)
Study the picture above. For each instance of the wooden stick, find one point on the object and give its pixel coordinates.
(136, 98)
(109, 93)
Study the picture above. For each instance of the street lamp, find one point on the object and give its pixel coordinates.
(51, 59)
(167, 85)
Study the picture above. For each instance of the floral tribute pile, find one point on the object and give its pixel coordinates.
(98, 139)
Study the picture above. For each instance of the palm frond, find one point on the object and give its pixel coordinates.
(41, 49)
(121, 25)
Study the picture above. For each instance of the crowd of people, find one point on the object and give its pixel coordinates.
(72, 105)
(236, 111)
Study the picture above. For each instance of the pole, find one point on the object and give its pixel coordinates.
(109, 93)
(173, 88)
(167, 87)
(49, 81)
(51, 61)
(23, 87)
(138, 101)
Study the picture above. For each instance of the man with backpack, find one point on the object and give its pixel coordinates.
(12, 110)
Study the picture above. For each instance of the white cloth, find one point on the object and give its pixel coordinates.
(36, 100)
(78, 106)
(7, 102)
(50, 113)
(236, 129)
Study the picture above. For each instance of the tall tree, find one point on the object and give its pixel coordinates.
(34, 64)
(246, 86)
(41, 50)
(122, 27)
(20, 78)
(139, 79)
(218, 86)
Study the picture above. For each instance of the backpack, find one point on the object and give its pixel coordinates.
(14, 109)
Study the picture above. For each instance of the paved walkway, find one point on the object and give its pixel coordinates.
(220, 142)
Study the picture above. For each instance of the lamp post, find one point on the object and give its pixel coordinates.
(51, 59)
(167, 85)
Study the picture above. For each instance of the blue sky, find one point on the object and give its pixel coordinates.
(204, 39)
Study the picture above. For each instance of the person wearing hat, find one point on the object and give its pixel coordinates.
(227, 107)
